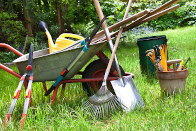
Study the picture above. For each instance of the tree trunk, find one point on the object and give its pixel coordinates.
(67, 28)
(58, 16)
(27, 21)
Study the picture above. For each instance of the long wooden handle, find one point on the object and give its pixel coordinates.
(104, 25)
(101, 16)
(132, 25)
(100, 13)
(164, 6)
(123, 22)
(121, 28)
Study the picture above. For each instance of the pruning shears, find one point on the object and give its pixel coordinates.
(29, 73)
(86, 42)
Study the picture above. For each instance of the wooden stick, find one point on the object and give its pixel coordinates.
(121, 23)
(132, 25)
(164, 6)
(140, 20)
(121, 28)
(25, 44)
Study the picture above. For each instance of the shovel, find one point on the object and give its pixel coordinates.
(126, 92)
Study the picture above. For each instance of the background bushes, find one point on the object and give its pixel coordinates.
(80, 18)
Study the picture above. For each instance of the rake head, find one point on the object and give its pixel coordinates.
(102, 103)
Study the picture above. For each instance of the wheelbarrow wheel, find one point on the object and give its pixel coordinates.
(96, 69)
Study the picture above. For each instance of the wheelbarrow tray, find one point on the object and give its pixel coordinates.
(48, 67)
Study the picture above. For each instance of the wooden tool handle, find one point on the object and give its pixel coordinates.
(173, 61)
(133, 24)
(164, 6)
(100, 13)
(101, 16)
(123, 22)
(121, 28)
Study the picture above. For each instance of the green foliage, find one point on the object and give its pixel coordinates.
(11, 30)
(83, 29)
(114, 10)
(7, 57)
(183, 16)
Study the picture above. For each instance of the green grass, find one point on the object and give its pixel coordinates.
(159, 112)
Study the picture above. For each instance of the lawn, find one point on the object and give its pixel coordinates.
(159, 112)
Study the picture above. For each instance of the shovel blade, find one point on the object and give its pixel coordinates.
(128, 94)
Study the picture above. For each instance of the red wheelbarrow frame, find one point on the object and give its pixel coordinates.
(100, 54)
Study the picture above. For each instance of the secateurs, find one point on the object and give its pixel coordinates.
(29, 74)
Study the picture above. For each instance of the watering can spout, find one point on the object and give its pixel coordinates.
(50, 41)
(43, 27)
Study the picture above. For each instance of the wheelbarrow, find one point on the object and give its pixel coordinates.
(47, 67)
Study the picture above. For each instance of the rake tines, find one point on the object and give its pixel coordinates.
(102, 103)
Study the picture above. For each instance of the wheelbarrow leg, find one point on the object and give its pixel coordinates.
(54, 94)
(62, 90)
(44, 85)
(56, 90)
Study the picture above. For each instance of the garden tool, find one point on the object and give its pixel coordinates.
(127, 92)
(61, 41)
(158, 58)
(151, 55)
(187, 62)
(103, 101)
(182, 65)
(86, 42)
(163, 56)
(29, 73)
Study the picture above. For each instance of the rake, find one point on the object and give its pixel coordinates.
(103, 102)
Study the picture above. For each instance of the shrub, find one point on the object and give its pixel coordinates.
(183, 16)
(11, 30)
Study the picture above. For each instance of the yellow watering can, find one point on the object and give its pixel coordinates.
(61, 41)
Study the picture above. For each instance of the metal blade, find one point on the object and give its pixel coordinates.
(128, 95)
